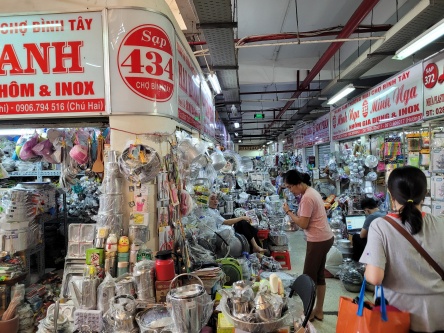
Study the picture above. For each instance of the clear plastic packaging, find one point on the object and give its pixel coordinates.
(111, 204)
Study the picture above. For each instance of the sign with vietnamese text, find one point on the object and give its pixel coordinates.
(142, 67)
(208, 110)
(189, 88)
(393, 103)
(433, 80)
(51, 63)
(321, 129)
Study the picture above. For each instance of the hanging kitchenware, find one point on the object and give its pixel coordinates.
(218, 160)
(139, 163)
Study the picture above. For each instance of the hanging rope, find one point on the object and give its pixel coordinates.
(155, 136)
(297, 20)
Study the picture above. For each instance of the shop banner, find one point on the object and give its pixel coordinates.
(303, 137)
(208, 110)
(321, 129)
(308, 135)
(298, 139)
(288, 144)
(433, 79)
(51, 63)
(142, 68)
(189, 88)
(394, 103)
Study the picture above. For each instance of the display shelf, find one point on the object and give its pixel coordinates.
(39, 251)
(39, 174)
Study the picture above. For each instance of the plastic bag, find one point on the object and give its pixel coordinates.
(26, 152)
(105, 293)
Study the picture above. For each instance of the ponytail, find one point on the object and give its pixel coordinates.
(411, 216)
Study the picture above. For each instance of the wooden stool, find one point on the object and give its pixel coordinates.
(283, 257)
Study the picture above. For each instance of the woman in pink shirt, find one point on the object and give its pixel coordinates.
(311, 217)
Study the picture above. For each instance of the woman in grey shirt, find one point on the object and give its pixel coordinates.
(410, 283)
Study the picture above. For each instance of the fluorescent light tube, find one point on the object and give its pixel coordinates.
(214, 83)
(341, 94)
(422, 40)
(235, 133)
(236, 125)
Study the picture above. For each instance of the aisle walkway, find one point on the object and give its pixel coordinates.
(335, 288)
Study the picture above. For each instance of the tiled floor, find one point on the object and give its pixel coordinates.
(335, 288)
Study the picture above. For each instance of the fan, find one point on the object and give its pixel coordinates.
(232, 270)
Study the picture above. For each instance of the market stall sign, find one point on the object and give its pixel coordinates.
(250, 147)
(303, 137)
(433, 81)
(142, 63)
(321, 129)
(189, 78)
(51, 64)
(394, 103)
(208, 111)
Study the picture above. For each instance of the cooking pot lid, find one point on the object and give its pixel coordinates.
(163, 255)
(188, 291)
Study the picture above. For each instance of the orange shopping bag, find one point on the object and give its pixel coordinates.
(357, 318)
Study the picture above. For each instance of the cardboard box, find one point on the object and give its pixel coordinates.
(162, 289)
(223, 325)
(95, 257)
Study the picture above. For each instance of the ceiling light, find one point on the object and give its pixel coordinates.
(235, 133)
(236, 125)
(233, 111)
(214, 83)
(269, 142)
(240, 141)
(283, 141)
(422, 40)
(341, 94)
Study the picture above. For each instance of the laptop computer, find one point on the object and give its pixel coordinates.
(354, 223)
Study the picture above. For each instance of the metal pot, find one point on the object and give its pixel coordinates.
(189, 305)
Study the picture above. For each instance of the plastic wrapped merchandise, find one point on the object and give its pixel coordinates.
(105, 292)
(334, 261)
(144, 276)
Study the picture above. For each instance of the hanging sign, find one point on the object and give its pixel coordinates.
(189, 88)
(51, 63)
(321, 129)
(433, 81)
(288, 144)
(208, 111)
(394, 103)
(142, 66)
(298, 139)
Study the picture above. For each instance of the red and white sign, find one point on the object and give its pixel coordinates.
(51, 64)
(208, 110)
(433, 80)
(394, 103)
(321, 129)
(303, 137)
(145, 62)
(189, 88)
(142, 66)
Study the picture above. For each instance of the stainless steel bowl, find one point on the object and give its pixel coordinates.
(354, 288)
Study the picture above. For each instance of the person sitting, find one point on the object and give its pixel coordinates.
(242, 225)
(371, 210)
